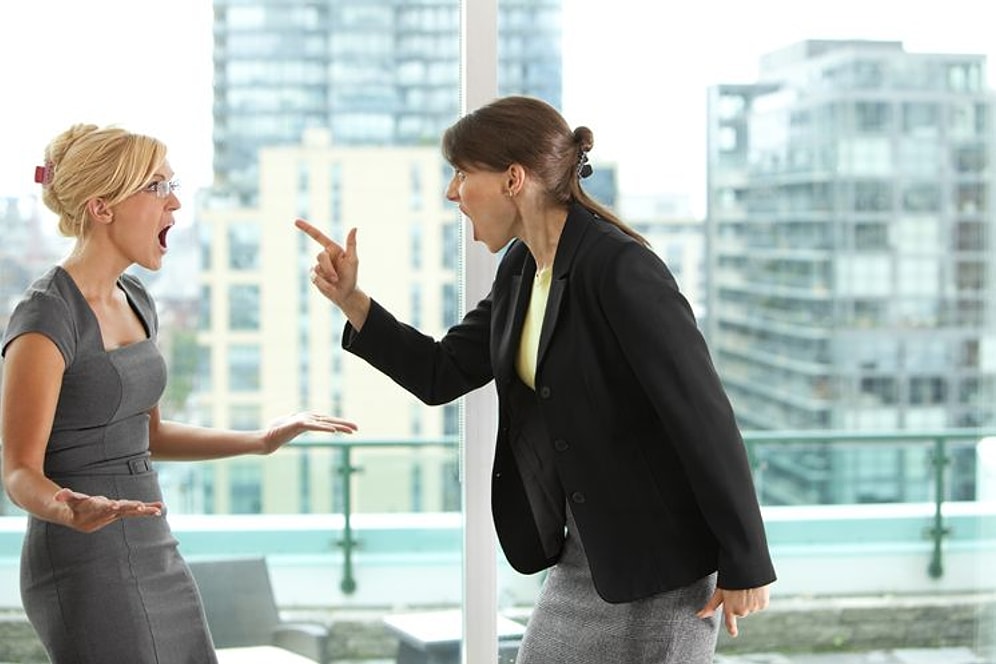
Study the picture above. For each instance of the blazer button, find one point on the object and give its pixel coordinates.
(560, 445)
(544, 392)
(577, 497)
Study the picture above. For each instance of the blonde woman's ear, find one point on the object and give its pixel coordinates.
(99, 211)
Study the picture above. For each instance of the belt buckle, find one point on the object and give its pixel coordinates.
(137, 466)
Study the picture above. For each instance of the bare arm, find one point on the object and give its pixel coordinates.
(170, 440)
(32, 381)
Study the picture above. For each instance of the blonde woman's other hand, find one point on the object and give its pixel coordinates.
(91, 513)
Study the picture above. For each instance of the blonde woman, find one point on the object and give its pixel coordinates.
(101, 578)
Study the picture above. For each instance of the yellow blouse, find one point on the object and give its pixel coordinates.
(525, 362)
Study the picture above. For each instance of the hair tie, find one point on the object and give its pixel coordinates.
(584, 168)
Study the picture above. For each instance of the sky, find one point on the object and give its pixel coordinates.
(635, 71)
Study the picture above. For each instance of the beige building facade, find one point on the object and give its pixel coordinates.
(270, 343)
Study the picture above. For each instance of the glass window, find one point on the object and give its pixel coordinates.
(871, 236)
(243, 246)
(204, 308)
(872, 117)
(864, 275)
(872, 196)
(921, 118)
(917, 235)
(243, 306)
(971, 236)
(202, 380)
(244, 362)
(246, 487)
(415, 242)
(836, 205)
(921, 197)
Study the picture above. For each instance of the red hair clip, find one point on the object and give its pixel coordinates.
(43, 174)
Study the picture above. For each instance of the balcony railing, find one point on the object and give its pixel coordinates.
(761, 446)
(927, 523)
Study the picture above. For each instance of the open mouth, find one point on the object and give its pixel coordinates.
(162, 237)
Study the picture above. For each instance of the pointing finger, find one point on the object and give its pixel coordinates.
(315, 234)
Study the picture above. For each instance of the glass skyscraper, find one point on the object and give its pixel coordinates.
(373, 72)
(850, 221)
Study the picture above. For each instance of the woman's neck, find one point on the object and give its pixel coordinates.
(94, 277)
(541, 233)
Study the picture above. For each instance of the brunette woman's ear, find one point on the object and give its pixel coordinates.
(515, 179)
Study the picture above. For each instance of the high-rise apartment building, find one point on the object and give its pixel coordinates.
(373, 72)
(850, 237)
(270, 343)
(333, 110)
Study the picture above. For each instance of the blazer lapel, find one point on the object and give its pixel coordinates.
(577, 223)
(508, 344)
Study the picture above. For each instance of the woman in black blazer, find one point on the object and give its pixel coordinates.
(618, 463)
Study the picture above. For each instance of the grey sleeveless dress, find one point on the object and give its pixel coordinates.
(122, 594)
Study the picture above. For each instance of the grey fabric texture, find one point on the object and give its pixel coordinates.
(571, 624)
(123, 593)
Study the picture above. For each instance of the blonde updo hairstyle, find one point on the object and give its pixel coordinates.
(87, 162)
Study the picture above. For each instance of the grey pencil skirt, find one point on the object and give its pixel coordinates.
(571, 624)
(121, 595)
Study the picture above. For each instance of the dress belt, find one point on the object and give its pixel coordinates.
(140, 465)
(135, 466)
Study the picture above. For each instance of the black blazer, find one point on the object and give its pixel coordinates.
(645, 444)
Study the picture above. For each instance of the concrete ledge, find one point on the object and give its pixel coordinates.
(791, 625)
(18, 642)
(803, 624)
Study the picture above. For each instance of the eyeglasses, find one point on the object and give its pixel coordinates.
(161, 188)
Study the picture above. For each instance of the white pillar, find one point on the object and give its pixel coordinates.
(479, 84)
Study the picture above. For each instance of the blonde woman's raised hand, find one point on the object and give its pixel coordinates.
(285, 429)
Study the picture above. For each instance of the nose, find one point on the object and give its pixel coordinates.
(452, 190)
(173, 202)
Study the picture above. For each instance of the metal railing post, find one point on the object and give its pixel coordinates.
(938, 531)
(346, 470)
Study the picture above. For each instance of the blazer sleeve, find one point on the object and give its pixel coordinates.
(657, 332)
(434, 371)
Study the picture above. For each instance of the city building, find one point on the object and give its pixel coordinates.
(270, 344)
(849, 226)
(373, 72)
(332, 110)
